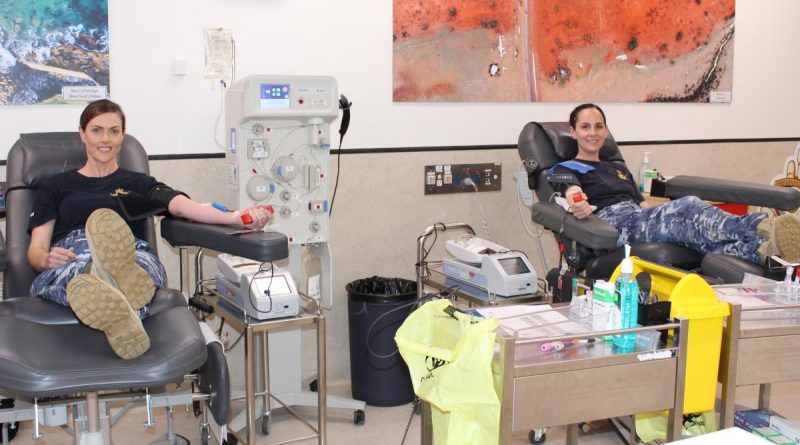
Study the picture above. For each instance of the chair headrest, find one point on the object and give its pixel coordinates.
(548, 143)
(566, 147)
(39, 155)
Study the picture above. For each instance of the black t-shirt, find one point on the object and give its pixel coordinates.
(70, 198)
(607, 184)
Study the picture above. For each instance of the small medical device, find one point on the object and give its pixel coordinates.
(489, 267)
(262, 293)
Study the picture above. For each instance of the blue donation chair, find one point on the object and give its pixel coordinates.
(47, 358)
(590, 244)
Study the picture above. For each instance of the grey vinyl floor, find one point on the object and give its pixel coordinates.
(383, 426)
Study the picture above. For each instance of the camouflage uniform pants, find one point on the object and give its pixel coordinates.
(690, 222)
(51, 284)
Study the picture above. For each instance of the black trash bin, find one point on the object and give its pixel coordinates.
(377, 307)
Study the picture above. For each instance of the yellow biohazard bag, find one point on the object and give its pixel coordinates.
(653, 425)
(449, 355)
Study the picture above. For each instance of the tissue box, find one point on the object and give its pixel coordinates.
(788, 428)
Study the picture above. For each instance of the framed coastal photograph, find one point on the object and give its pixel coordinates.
(53, 51)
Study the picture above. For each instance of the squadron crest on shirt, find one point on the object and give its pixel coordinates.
(123, 192)
(622, 175)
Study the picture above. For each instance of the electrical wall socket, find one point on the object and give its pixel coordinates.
(459, 178)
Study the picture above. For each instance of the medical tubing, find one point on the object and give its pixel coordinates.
(345, 106)
(417, 303)
(537, 235)
(336, 182)
(250, 287)
(374, 322)
(318, 310)
(484, 225)
(219, 117)
(414, 407)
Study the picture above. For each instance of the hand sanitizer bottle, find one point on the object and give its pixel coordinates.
(643, 170)
(628, 290)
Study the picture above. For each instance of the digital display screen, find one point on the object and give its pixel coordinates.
(513, 266)
(277, 285)
(275, 96)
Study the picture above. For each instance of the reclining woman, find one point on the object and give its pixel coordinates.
(87, 254)
(688, 221)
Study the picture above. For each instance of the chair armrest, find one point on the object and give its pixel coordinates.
(259, 246)
(738, 192)
(591, 232)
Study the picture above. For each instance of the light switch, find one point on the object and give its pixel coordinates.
(179, 67)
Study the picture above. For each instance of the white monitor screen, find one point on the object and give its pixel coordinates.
(277, 285)
(275, 96)
(513, 266)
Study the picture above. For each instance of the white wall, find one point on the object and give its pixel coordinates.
(352, 40)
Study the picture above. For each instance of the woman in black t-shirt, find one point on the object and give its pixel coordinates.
(87, 254)
(688, 221)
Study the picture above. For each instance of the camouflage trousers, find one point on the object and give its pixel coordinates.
(689, 222)
(51, 284)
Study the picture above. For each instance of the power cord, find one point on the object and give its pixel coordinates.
(422, 262)
(537, 235)
(261, 269)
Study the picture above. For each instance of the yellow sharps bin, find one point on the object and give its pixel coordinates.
(692, 298)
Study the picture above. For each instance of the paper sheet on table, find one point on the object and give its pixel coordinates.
(539, 321)
(500, 312)
(744, 295)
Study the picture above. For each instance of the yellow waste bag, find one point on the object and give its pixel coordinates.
(653, 425)
(449, 355)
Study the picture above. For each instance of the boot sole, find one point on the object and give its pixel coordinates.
(100, 306)
(114, 257)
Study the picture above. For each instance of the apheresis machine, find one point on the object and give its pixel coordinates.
(485, 267)
(278, 150)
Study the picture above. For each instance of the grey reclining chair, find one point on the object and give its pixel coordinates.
(591, 243)
(58, 356)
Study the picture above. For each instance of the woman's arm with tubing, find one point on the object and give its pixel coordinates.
(183, 207)
(40, 255)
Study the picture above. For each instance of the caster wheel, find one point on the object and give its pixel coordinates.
(313, 386)
(231, 440)
(205, 434)
(537, 437)
(266, 424)
(584, 427)
(359, 417)
(13, 427)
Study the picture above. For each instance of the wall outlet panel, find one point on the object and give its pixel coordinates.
(449, 178)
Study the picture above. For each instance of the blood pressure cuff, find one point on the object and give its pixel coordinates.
(156, 202)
